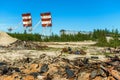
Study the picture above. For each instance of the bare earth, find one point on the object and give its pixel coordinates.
(60, 67)
(55, 49)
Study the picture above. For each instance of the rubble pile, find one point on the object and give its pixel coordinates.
(70, 51)
(58, 68)
(24, 45)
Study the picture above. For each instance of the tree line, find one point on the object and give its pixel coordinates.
(98, 35)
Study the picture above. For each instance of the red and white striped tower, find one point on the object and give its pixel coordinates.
(46, 21)
(27, 20)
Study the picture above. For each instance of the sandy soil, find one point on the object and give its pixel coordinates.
(5, 39)
(11, 55)
(68, 44)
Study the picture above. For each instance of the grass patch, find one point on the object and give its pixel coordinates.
(96, 53)
(107, 54)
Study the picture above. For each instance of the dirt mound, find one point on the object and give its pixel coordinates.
(5, 39)
(28, 45)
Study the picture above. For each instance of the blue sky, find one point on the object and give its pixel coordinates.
(77, 15)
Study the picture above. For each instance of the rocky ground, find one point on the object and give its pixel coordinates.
(26, 60)
(45, 62)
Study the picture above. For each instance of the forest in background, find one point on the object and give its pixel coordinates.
(98, 35)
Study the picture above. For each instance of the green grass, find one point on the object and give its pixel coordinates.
(107, 54)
